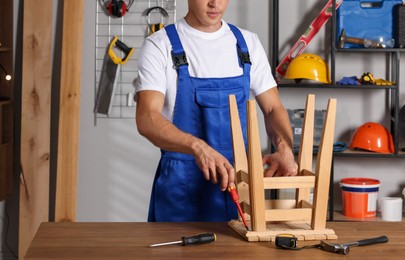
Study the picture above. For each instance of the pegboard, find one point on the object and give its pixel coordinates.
(131, 29)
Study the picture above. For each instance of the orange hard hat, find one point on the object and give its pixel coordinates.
(373, 137)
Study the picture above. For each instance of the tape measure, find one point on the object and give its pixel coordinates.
(286, 241)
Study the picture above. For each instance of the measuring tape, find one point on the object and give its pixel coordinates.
(286, 241)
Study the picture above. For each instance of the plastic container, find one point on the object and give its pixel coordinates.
(297, 119)
(366, 19)
(359, 197)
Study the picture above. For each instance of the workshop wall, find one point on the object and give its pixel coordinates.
(117, 165)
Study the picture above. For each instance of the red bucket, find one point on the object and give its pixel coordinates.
(359, 197)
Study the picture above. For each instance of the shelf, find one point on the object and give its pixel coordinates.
(357, 153)
(370, 50)
(335, 86)
(5, 102)
(338, 216)
(5, 49)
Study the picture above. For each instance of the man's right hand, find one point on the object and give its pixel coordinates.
(215, 167)
(167, 136)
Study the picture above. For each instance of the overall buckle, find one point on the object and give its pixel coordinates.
(179, 60)
(244, 56)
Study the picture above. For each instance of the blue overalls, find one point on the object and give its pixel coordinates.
(180, 193)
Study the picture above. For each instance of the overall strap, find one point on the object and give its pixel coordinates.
(243, 51)
(178, 55)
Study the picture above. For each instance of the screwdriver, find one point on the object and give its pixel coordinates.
(203, 238)
(235, 198)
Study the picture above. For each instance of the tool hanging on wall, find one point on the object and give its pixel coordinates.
(109, 73)
(154, 27)
(305, 38)
(117, 8)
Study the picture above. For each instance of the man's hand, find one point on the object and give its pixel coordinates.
(280, 165)
(214, 165)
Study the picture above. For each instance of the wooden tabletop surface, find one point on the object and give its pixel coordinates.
(132, 240)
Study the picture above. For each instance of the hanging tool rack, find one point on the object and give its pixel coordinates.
(132, 29)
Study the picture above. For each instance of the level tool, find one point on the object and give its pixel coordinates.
(109, 72)
(306, 38)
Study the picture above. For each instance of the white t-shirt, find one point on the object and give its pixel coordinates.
(209, 55)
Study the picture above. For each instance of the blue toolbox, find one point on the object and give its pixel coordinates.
(365, 20)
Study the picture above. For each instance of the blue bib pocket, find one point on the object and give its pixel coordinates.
(213, 114)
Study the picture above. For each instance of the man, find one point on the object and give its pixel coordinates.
(186, 73)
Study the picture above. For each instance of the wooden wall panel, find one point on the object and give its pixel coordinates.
(35, 119)
(69, 112)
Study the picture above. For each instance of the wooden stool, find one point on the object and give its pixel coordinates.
(268, 218)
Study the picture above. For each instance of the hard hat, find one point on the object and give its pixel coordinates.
(308, 66)
(373, 137)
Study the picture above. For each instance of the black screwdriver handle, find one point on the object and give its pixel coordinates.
(199, 239)
(370, 241)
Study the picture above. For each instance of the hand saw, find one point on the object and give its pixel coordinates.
(306, 38)
(109, 73)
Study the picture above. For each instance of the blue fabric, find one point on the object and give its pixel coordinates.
(180, 192)
(357, 189)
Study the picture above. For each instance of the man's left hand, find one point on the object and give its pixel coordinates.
(280, 165)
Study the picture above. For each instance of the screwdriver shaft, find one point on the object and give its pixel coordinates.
(193, 240)
(167, 243)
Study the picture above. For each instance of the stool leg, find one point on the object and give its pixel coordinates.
(323, 168)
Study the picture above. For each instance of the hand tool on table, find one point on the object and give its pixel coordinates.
(306, 38)
(345, 248)
(109, 72)
(203, 238)
(235, 198)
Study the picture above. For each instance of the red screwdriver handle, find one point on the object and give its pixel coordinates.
(235, 198)
(234, 194)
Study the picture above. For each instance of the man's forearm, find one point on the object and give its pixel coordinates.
(279, 129)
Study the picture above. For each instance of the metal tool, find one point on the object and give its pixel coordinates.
(345, 248)
(203, 238)
(306, 38)
(369, 43)
(108, 76)
(235, 198)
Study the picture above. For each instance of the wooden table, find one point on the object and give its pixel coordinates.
(132, 240)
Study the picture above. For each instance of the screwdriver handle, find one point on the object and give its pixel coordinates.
(199, 239)
(234, 194)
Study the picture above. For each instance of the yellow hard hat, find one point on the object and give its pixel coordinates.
(308, 66)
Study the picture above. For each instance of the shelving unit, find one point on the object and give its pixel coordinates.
(391, 92)
(6, 98)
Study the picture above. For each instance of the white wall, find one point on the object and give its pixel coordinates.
(117, 165)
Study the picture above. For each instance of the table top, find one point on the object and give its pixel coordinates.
(120, 240)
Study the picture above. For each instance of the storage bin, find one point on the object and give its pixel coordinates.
(297, 118)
